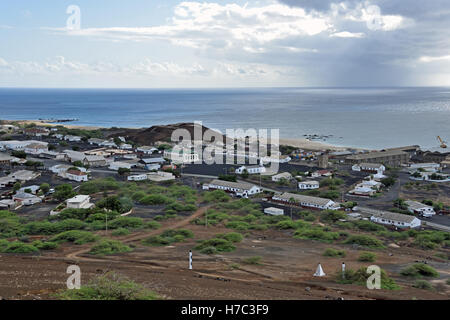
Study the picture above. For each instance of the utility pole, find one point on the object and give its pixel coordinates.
(206, 218)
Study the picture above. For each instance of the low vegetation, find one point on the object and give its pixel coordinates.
(168, 237)
(330, 252)
(109, 246)
(361, 276)
(419, 270)
(367, 257)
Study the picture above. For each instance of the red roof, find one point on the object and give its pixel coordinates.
(77, 173)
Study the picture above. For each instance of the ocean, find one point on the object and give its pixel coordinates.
(372, 118)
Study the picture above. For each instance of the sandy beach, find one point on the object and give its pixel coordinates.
(300, 143)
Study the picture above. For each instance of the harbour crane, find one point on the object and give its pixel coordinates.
(442, 142)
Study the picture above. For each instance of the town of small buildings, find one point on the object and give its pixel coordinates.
(399, 189)
(146, 163)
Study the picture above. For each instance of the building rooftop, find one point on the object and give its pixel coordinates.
(377, 154)
(78, 199)
(229, 184)
(387, 215)
(370, 165)
(303, 199)
(415, 205)
(310, 182)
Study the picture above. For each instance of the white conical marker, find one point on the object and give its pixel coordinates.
(319, 271)
(190, 259)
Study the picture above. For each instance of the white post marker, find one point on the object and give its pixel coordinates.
(190, 259)
(343, 270)
(319, 271)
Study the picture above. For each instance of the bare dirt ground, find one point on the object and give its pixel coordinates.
(285, 271)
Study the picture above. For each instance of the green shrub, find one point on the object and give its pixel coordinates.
(120, 232)
(231, 236)
(109, 287)
(75, 236)
(47, 245)
(126, 222)
(40, 228)
(99, 185)
(209, 250)
(69, 224)
(10, 226)
(316, 233)
(20, 247)
(256, 260)
(360, 277)
(221, 245)
(216, 196)
(367, 257)
(168, 237)
(109, 246)
(155, 199)
(419, 270)
(157, 241)
(152, 225)
(238, 225)
(364, 241)
(422, 284)
(330, 252)
(368, 226)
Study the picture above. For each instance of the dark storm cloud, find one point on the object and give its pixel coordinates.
(381, 57)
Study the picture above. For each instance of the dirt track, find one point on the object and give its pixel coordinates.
(285, 273)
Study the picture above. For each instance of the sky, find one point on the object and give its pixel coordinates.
(218, 43)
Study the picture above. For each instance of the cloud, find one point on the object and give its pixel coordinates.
(147, 67)
(200, 25)
(427, 59)
(346, 34)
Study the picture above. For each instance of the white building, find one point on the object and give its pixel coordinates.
(34, 189)
(420, 208)
(275, 159)
(76, 175)
(152, 167)
(308, 185)
(184, 155)
(79, 202)
(95, 141)
(364, 191)
(26, 199)
(36, 148)
(430, 167)
(137, 177)
(62, 168)
(369, 167)
(24, 175)
(241, 189)
(71, 138)
(395, 219)
(147, 150)
(274, 211)
(284, 175)
(371, 184)
(160, 176)
(19, 145)
(306, 201)
(251, 169)
(118, 164)
(126, 146)
(150, 161)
